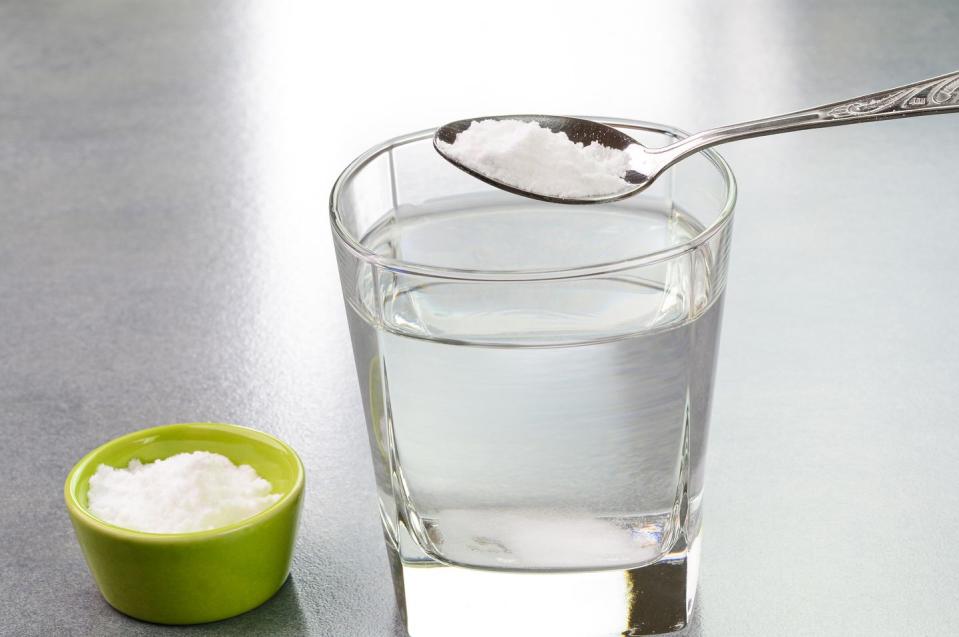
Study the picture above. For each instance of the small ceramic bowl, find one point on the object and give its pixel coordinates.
(191, 578)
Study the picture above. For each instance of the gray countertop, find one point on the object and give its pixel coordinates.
(165, 257)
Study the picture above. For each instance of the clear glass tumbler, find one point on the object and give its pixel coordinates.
(537, 380)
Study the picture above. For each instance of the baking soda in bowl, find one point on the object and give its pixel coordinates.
(184, 493)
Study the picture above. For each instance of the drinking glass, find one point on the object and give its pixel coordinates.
(536, 380)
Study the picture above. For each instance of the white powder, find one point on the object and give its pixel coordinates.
(539, 539)
(183, 493)
(533, 158)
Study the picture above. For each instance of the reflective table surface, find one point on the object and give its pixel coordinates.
(165, 257)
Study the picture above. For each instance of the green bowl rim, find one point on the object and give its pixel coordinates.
(82, 514)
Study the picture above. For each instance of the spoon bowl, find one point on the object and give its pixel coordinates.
(581, 131)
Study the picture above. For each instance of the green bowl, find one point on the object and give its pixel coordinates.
(191, 578)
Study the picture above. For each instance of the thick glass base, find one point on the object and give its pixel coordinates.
(441, 600)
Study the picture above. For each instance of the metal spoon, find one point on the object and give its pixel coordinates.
(928, 97)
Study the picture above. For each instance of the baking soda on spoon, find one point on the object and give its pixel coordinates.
(533, 158)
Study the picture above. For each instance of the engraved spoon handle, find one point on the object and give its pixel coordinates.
(928, 97)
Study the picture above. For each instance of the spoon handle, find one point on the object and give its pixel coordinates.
(928, 97)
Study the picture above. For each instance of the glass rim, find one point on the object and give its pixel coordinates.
(344, 237)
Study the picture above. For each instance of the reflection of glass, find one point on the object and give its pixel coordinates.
(537, 381)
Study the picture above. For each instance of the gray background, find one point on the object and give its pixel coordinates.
(165, 257)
